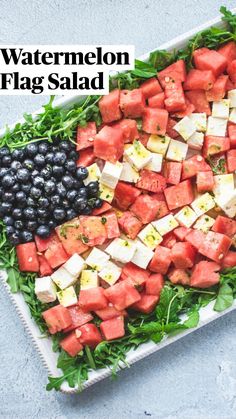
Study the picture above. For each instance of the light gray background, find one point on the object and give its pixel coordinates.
(195, 377)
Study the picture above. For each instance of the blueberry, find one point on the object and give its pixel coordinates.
(81, 173)
(71, 195)
(31, 149)
(43, 202)
(5, 208)
(59, 214)
(16, 187)
(6, 161)
(68, 181)
(43, 231)
(8, 197)
(73, 155)
(38, 181)
(1, 191)
(46, 172)
(52, 224)
(43, 148)
(31, 202)
(20, 196)
(98, 203)
(16, 165)
(82, 192)
(10, 230)
(14, 238)
(61, 190)
(70, 214)
(28, 164)
(77, 184)
(29, 213)
(17, 213)
(87, 210)
(39, 160)
(59, 158)
(79, 203)
(93, 188)
(26, 236)
(31, 225)
(4, 151)
(65, 146)
(42, 220)
(70, 166)
(26, 187)
(58, 171)
(23, 175)
(35, 173)
(49, 187)
(19, 225)
(8, 220)
(42, 212)
(55, 199)
(65, 203)
(49, 158)
(35, 192)
(18, 154)
(3, 172)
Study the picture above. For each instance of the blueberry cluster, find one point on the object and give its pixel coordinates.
(42, 187)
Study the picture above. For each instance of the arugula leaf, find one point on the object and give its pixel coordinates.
(224, 299)
(13, 279)
(192, 320)
(229, 18)
(143, 70)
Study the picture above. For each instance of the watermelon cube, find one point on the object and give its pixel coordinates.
(161, 260)
(109, 144)
(109, 106)
(113, 328)
(71, 344)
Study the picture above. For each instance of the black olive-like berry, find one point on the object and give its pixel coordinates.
(16, 165)
(65, 146)
(43, 202)
(42, 212)
(39, 160)
(30, 213)
(55, 200)
(28, 164)
(59, 214)
(46, 172)
(20, 196)
(61, 190)
(57, 171)
(31, 149)
(49, 187)
(8, 197)
(81, 173)
(43, 231)
(38, 181)
(98, 203)
(5, 208)
(31, 225)
(4, 151)
(10, 230)
(70, 214)
(26, 187)
(23, 175)
(8, 220)
(43, 147)
(17, 213)
(14, 238)
(70, 165)
(82, 192)
(73, 155)
(26, 236)
(16, 187)
(6, 161)
(18, 154)
(80, 203)
(35, 192)
(59, 158)
(19, 225)
(71, 195)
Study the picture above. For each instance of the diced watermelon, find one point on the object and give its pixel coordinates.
(232, 135)
(154, 284)
(113, 328)
(68, 234)
(150, 88)
(181, 232)
(228, 51)
(136, 274)
(230, 85)
(44, 267)
(175, 72)
(215, 246)
(195, 237)
(78, 317)
(205, 274)
(57, 318)
(190, 108)
(147, 208)
(44, 244)
(109, 144)
(183, 255)
(174, 97)
(231, 70)
(92, 299)
(179, 195)
(170, 128)
(161, 260)
(193, 165)
(123, 294)
(210, 60)
(231, 160)
(27, 257)
(104, 208)
(199, 80)
(132, 103)
(205, 181)
(224, 225)
(218, 91)
(169, 240)
(111, 225)
(110, 312)
(71, 344)
(109, 106)
(199, 100)
(130, 224)
(125, 195)
(86, 157)
(85, 135)
(172, 172)
(229, 260)
(215, 145)
(146, 304)
(155, 120)
(129, 129)
(151, 181)
(90, 335)
(157, 101)
(179, 276)
(143, 138)
(93, 230)
(56, 255)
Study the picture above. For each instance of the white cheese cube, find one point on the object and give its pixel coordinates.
(204, 223)
(216, 126)
(45, 289)
(232, 117)
(203, 204)
(88, 279)
(150, 237)
(228, 203)
(158, 144)
(129, 173)
(143, 255)
(177, 151)
(232, 98)
(186, 216)
(121, 250)
(97, 259)
(199, 120)
(165, 224)
(220, 109)
(106, 193)
(196, 141)
(156, 163)
(94, 174)
(223, 184)
(110, 273)
(74, 265)
(138, 155)
(67, 297)
(63, 278)
(185, 127)
(111, 174)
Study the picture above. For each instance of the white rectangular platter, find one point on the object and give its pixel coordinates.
(44, 346)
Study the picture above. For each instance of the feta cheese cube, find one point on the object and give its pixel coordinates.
(228, 203)
(97, 259)
(223, 184)
(165, 224)
(63, 278)
(186, 216)
(94, 174)
(74, 265)
(121, 250)
(232, 117)
(143, 255)
(203, 204)
(106, 193)
(138, 155)
(220, 109)
(199, 120)
(45, 289)
(232, 98)
(88, 279)
(177, 151)
(156, 163)
(67, 297)
(129, 173)
(110, 273)
(196, 141)
(185, 127)
(158, 144)
(216, 126)
(111, 174)
(150, 237)
(204, 223)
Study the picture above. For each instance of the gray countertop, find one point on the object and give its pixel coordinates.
(196, 376)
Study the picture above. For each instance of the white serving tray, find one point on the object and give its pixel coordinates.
(44, 345)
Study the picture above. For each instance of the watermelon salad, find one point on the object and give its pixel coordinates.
(140, 227)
